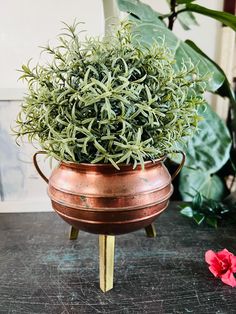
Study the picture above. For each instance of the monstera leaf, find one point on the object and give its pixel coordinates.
(150, 28)
(193, 181)
(225, 89)
(206, 152)
(209, 148)
(140, 10)
(223, 17)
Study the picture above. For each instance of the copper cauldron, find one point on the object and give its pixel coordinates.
(100, 199)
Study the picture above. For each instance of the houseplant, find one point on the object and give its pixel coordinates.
(110, 111)
(210, 157)
(112, 102)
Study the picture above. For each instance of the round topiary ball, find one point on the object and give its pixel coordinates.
(109, 101)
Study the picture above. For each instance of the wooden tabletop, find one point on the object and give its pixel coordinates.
(42, 271)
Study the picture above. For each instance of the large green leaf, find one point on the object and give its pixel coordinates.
(141, 10)
(193, 181)
(224, 17)
(225, 89)
(182, 51)
(150, 31)
(209, 148)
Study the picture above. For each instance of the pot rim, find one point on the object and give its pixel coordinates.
(109, 166)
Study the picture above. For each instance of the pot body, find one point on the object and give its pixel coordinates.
(101, 199)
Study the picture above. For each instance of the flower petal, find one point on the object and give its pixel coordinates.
(233, 263)
(229, 279)
(215, 271)
(224, 254)
(210, 257)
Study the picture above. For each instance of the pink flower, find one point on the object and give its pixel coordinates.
(222, 265)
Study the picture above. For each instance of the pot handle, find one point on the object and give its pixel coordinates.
(37, 166)
(180, 165)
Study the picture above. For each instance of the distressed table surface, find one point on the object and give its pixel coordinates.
(41, 271)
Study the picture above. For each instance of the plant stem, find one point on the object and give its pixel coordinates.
(180, 11)
(173, 15)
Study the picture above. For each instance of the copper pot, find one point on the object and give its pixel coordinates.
(98, 198)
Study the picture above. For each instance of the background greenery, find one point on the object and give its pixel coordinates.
(210, 153)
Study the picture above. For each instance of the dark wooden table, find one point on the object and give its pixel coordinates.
(41, 271)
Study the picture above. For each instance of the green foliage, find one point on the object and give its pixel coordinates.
(140, 10)
(225, 89)
(205, 210)
(223, 17)
(208, 150)
(184, 1)
(209, 185)
(186, 18)
(109, 101)
(206, 153)
(152, 29)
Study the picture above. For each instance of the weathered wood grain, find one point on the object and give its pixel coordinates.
(42, 271)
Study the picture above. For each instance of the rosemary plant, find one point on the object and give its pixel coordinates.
(109, 101)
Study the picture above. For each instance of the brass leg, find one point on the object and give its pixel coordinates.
(73, 235)
(151, 231)
(106, 261)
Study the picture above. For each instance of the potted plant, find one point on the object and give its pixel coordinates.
(211, 153)
(110, 111)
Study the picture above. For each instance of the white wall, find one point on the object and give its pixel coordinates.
(27, 24)
(21, 189)
(24, 26)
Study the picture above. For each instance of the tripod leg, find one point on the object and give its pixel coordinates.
(73, 234)
(106, 261)
(151, 231)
